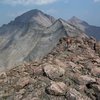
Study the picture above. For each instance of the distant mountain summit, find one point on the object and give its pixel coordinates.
(74, 20)
(90, 30)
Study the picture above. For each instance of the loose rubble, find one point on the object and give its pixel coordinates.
(67, 73)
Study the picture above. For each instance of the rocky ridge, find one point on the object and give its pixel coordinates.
(90, 30)
(69, 72)
(32, 36)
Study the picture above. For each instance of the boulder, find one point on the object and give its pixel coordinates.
(96, 71)
(60, 63)
(96, 88)
(83, 79)
(57, 88)
(53, 72)
(37, 70)
(86, 79)
(23, 81)
(72, 94)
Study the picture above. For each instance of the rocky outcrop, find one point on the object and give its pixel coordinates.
(53, 72)
(67, 73)
(57, 89)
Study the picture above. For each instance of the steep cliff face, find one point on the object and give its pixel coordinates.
(90, 30)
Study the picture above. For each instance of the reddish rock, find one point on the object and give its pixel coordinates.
(87, 79)
(96, 71)
(73, 65)
(72, 94)
(60, 63)
(18, 97)
(23, 81)
(37, 71)
(57, 88)
(35, 98)
(83, 79)
(53, 72)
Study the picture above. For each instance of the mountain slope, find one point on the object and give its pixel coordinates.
(34, 18)
(32, 42)
(84, 26)
(71, 73)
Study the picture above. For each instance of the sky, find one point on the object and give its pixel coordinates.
(87, 10)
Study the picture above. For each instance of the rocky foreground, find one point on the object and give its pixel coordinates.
(67, 73)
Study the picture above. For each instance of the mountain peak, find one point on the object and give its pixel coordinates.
(35, 16)
(33, 12)
(75, 19)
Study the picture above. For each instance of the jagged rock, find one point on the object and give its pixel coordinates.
(93, 90)
(98, 47)
(86, 79)
(96, 88)
(97, 60)
(37, 70)
(53, 72)
(29, 97)
(72, 94)
(96, 71)
(22, 91)
(18, 97)
(3, 77)
(73, 65)
(35, 98)
(98, 80)
(81, 88)
(23, 81)
(60, 63)
(83, 79)
(57, 88)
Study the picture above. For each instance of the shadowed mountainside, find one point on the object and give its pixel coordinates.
(90, 30)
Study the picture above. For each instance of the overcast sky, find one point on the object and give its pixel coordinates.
(88, 10)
